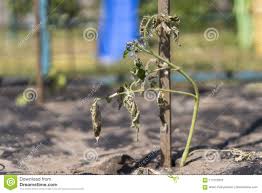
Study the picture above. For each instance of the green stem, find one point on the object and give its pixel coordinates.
(159, 69)
(154, 89)
(196, 105)
(175, 91)
(146, 26)
(193, 123)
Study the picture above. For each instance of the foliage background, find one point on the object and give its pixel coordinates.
(72, 54)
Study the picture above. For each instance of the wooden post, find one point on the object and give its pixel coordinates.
(165, 130)
(39, 80)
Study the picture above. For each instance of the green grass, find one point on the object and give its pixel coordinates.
(72, 54)
(220, 55)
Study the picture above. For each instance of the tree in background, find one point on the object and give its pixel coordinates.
(60, 12)
(191, 11)
(244, 23)
(66, 14)
(63, 13)
(18, 9)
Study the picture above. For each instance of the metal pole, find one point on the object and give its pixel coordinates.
(165, 113)
(45, 37)
(39, 80)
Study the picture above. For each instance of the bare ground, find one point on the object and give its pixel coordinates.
(57, 138)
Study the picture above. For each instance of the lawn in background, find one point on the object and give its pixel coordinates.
(71, 53)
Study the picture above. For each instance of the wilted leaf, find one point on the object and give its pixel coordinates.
(162, 25)
(120, 97)
(131, 106)
(139, 70)
(96, 118)
(125, 53)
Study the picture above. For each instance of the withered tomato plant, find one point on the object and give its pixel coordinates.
(146, 75)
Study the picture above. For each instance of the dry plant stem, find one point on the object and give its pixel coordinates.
(153, 89)
(195, 96)
(147, 24)
(196, 104)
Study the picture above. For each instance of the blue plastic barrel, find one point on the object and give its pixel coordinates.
(118, 25)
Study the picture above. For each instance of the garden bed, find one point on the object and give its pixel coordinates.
(57, 138)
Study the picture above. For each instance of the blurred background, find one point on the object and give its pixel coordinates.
(76, 47)
(222, 36)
